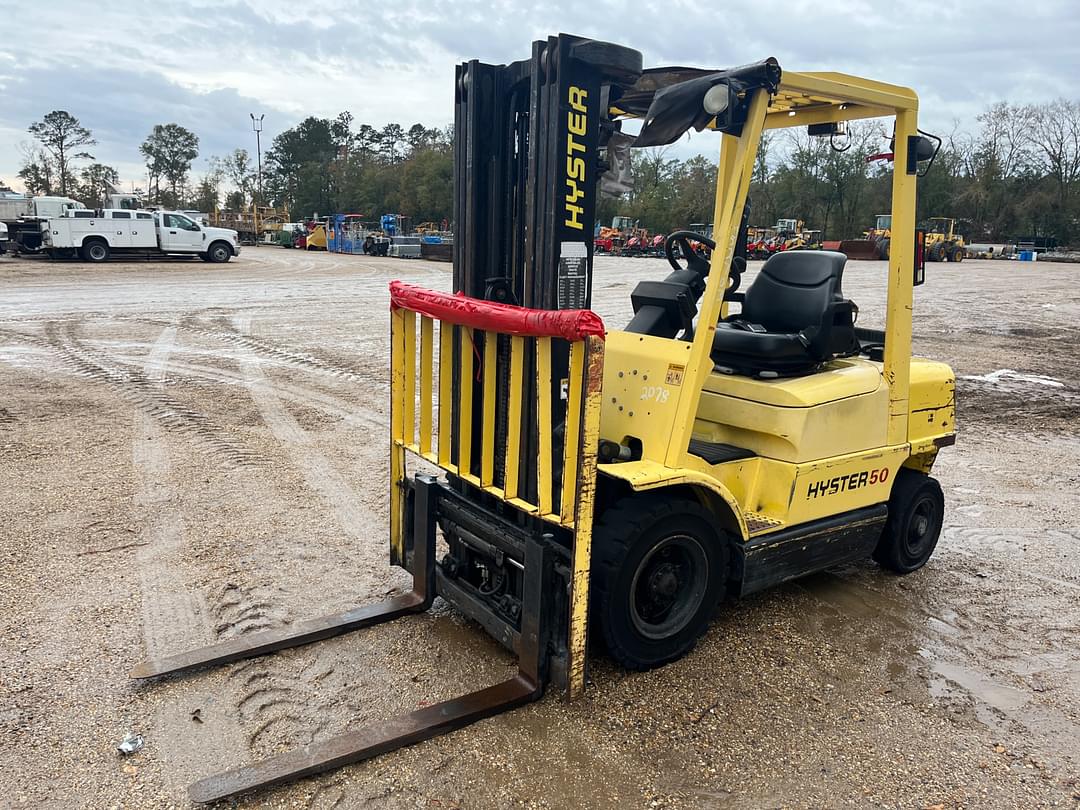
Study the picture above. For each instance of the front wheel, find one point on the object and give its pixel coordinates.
(219, 252)
(660, 566)
(916, 514)
(958, 254)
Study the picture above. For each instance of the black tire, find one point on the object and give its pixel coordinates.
(916, 514)
(218, 252)
(659, 568)
(936, 253)
(884, 250)
(957, 254)
(95, 251)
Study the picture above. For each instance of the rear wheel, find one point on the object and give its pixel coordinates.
(659, 569)
(884, 250)
(916, 513)
(95, 251)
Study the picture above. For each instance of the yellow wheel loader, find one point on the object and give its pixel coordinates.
(875, 242)
(571, 485)
(943, 241)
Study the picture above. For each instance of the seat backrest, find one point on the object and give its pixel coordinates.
(794, 289)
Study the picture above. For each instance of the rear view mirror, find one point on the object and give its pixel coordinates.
(925, 149)
(827, 130)
(922, 148)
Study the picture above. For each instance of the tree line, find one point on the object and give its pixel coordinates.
(1017, 172)
(320, 166)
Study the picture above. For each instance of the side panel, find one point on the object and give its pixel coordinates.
(58, 232)
(143, 234)
(643, 379)
(819, 489)
(119, 231)
(796, 435)
(766, 495)
(932, 402)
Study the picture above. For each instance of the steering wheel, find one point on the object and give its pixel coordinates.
(698, 263)
(694, 260)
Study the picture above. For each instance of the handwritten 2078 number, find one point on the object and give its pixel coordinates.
(655, 393)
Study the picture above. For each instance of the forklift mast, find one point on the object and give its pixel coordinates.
(527, 164)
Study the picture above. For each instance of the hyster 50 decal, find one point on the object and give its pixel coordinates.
(576, 124)
(846, 483)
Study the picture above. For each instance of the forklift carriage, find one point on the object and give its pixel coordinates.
(586, 480)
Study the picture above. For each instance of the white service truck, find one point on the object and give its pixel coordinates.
(23, 217)
(95, 235)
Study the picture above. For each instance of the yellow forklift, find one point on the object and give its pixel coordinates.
(584, 483)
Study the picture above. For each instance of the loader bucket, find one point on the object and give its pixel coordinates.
(866, 249)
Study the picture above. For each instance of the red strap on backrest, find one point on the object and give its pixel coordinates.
(568, 324)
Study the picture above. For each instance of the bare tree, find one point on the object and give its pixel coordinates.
(1054, 134)
(37, 170)
(237, 168)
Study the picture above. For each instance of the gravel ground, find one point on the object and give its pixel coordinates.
(191, 452)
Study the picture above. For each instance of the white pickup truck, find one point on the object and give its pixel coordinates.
(96, 235)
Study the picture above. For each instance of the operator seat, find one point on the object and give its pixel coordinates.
(794, 318)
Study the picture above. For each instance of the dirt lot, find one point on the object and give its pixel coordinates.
(190, 452)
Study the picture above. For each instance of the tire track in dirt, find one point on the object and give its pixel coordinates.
(132, 385)
(351, 515)
(174, 617)
(240, 609)
(285, 700)
(267, 348)
(326, 403)
(261, 346)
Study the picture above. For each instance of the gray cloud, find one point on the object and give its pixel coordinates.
(124, 67)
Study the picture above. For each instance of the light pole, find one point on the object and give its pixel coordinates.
(257, 125)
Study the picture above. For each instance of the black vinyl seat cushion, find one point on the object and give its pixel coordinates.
(794, 318)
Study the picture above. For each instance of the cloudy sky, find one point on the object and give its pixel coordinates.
(122, 67)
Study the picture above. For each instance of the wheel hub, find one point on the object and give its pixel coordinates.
(668, 587)
(664, 581)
